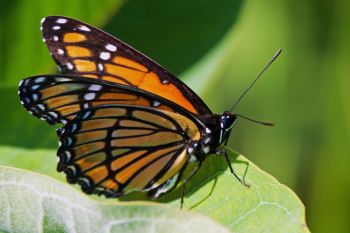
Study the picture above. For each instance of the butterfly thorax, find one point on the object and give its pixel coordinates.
(216, 132)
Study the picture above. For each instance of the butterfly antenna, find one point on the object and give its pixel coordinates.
(252, 84)
(255, 121)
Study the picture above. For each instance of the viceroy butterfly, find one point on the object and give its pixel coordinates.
(128, 124)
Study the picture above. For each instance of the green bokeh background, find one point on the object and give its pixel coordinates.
(218, 47)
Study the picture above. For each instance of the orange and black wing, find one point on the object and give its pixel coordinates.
(58, 98)
(115, 149)
(83, 50)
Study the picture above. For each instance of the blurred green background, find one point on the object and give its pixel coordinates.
(218, 48)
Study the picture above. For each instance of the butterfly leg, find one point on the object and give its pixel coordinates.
(188, 178)
(224, 152)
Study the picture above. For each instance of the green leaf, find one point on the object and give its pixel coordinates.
(267, 206)
(21, 129)
(38, 160)
(30, 202)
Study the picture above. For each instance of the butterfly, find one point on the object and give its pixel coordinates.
(128, 123)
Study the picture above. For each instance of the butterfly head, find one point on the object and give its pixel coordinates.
(227, 120)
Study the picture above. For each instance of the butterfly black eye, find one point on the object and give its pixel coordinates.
(227, 121)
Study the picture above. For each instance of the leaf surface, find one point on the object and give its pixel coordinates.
(30, 202)
(267, 206)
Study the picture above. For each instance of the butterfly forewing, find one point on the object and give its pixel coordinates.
(83, 50)
(116, 149)
(58, 98)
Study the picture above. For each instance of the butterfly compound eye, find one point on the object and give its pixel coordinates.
(227, 120)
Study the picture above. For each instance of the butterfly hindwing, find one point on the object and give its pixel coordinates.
(115, 149)
(83, 50)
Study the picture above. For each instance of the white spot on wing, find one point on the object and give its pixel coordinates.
(61, 21)
(111, 47)
(89, 96)
(35, 97)
(60, 131)
(53, 114)
(41, 106)
(73, 170)
(55, 38)
(68, 155)
(61, 79)
(60, 51)
(155, 103)
(39, 80)
(56, 27)
(84, 28)
(69, 141)
(69, 66)
(207, 140)
(74, 127)
(105, 55)
(100, 67)
(42, 20)
(99, 189)
(166, 187)
(95, 87)
(35, 87)
(84, 180)
(86, 115)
